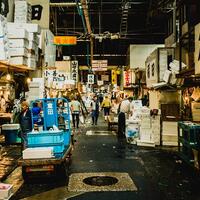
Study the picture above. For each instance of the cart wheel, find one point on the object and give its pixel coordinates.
(62, 171)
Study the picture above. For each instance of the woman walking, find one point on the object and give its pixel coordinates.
(106, 105)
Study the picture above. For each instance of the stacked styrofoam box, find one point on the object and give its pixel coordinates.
(4, 53)
(155, 125)
(48, 48)
(169, 133)
(32, 41)
(18, 44)
(145, 127)
(36, 89)
(39, 152)
(23, 12)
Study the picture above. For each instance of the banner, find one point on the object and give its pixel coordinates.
(74, 70)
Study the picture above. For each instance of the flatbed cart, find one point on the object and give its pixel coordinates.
(53, 133)
(43, 167)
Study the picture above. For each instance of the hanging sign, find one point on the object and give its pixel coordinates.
(197, 49)
(65, 40)
(99, 65)
(74, 70)
(127, 78)
(114, 77)
(90, 78)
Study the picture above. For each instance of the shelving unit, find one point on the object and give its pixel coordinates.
(189, 142)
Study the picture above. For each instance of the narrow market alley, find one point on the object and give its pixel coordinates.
(141, 173)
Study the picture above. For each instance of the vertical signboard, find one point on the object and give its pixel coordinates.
(114, 77)
(127, 78)
(90, 78)
(74, 70)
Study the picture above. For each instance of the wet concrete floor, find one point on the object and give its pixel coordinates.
(156, 173)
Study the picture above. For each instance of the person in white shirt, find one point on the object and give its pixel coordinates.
(75, 107)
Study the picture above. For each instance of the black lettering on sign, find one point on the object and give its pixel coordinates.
(36, 12)
(4, 7)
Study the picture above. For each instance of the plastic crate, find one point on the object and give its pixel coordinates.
(67, 136)
(44, 137)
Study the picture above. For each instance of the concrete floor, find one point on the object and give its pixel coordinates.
(157, 173)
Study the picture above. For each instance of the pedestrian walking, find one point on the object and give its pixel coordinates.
(106, 105)
(75, 107)
(95, 110)
(123, 111)
(25, 121)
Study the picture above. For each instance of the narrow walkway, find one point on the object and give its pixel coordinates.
(141, 173)
(157, 174)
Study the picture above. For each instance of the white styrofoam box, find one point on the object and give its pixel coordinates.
(145, 143)
(18, 43)
(20, 33)
(32, 45)
(6, 191)
(33, 37)
(22, 19)
(170, 138)
(48, 48)
(33, 28)
(18, 52)
(39, 152)
(31, 62)
(18, 60)
(165, 143)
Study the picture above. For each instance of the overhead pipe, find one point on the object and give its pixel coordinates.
(89, 31)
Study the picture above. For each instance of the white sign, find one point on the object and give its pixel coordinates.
(99, 65)
(99, 83)
(74, 70)
(90, 78)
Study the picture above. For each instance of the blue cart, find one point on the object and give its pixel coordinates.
(51, 122)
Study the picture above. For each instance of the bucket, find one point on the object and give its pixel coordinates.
(10, 132)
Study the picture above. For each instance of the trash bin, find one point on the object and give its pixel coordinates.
(10, 132)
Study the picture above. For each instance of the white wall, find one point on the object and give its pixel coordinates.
(139, 53)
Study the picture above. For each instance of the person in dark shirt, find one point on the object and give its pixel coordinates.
(25, 121)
